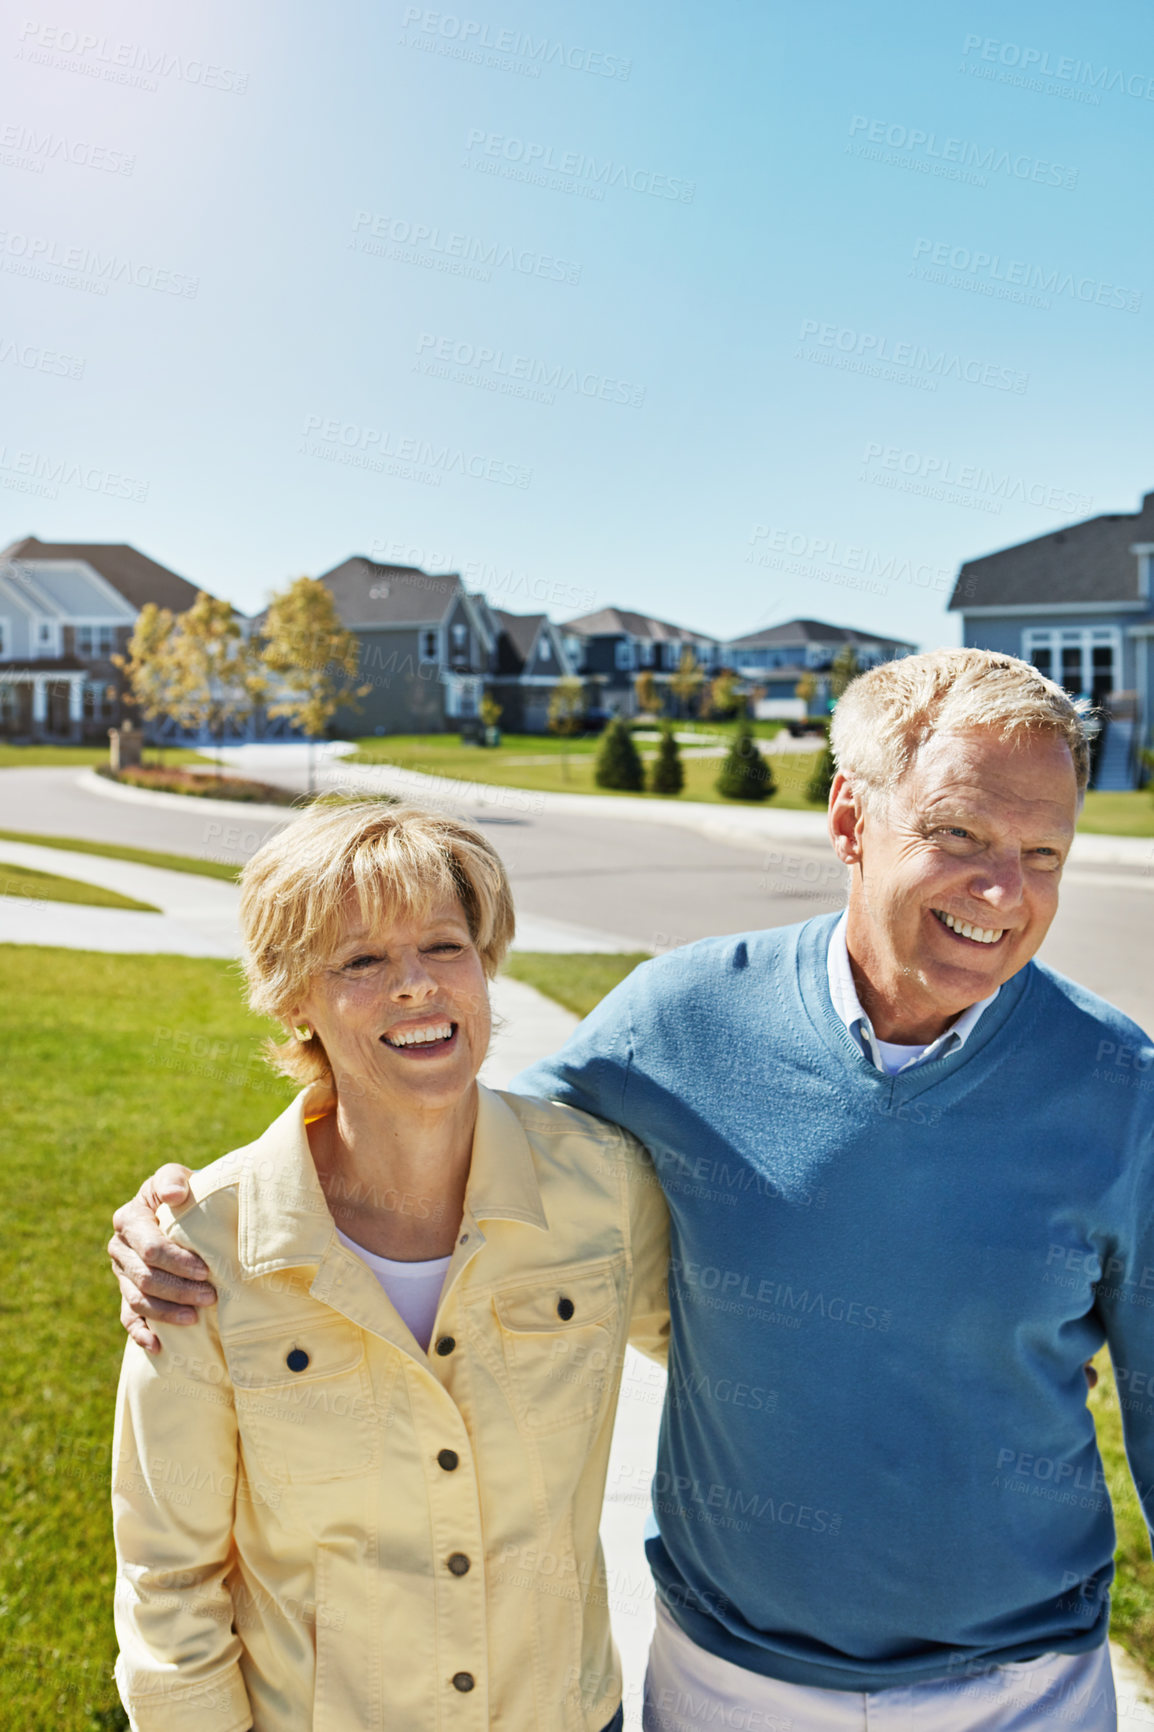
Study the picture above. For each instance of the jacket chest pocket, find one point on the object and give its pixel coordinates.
(561, 1340)
(305, 1402)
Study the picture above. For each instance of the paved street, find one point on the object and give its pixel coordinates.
(648, 884)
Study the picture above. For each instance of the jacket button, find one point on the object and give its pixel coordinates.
(297, 1360)
(565, 1309)
(445, 1346)
(463, 1681)
(458, 1563)
(449, 1460)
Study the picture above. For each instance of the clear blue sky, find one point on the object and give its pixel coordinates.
(785, 224)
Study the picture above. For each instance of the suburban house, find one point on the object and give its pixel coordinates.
(427, 646)
(529, 659)
(611, 646)
(773, 661)
(65, 609)
(1077, 603)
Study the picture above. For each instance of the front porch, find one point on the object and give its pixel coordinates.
(43, 701)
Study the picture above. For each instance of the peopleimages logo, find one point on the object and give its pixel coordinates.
(485, 45)
(992, 268)
(120, 62)
(958, 153)
(1041, 63)
(41, 147)
(434, 248)
(576, 172)
(484, 367)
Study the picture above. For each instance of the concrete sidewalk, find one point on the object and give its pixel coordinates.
(738, 827)
(197, 915)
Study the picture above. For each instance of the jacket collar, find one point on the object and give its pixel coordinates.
(284, 1220)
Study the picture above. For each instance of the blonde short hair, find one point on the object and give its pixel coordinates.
(886, 714)
(384, 861)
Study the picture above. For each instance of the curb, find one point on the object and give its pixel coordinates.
(94, 784)
(737, 828)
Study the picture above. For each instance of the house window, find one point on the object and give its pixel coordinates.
(460, 636)
(647, 649)
(95, 642)
(623, 653)
(1086, 660)
(96, 701)
(545, 651)
(45, 635)
(428, 646)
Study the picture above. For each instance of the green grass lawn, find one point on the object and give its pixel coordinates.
(119, 1062)
(577, 982)
(139, 856)
(49, 757)
(1125, 814)
(47, 887)
(115, 1063)
(512, 764)
(1132, 1606)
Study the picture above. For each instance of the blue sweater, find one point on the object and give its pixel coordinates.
(876, 1462)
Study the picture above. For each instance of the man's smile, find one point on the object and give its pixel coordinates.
(966, 929)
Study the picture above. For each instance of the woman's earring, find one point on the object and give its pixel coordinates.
(302, 1031)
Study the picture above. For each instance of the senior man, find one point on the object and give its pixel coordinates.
(909, 1176)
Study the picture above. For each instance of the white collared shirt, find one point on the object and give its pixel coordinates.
(887, 1055)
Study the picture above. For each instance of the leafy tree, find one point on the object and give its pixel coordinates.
(566, 714)
(646, 693)
(725, 698)
(844, 670)
(490, 711)
(818, 787)
(216, 679)
(806, 688)
(667, 775)
(314, 657)
(687, 681)
(618, 760)
(745, 774)
(149, 665)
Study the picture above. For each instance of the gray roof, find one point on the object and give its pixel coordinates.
(1085, 562)
(73, 589)
(618, 621)
(520, 628)
(136, 577)
(370, 594)
(802, 631)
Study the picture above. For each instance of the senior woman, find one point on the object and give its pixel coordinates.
(334, 1492)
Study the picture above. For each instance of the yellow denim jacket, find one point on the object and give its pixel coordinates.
(320, 1526)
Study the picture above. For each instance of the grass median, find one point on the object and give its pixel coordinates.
(25, 882)
(118, 1063)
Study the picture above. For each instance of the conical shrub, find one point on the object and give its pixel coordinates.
(818, 787)
(745, 775)
(618, 762)
(668, 773)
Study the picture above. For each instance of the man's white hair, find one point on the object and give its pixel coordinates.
(885, 715)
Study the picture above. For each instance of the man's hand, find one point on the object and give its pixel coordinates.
(157, 1278)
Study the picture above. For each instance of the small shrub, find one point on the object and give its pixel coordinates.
(202, 786)
(618, 760)
(745, 775)
(668, 774)
(818, 787)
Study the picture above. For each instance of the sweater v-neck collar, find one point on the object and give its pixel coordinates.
(813, 990)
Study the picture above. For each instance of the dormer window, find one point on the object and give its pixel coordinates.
(545, 650)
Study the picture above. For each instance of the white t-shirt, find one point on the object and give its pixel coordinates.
(413, 1288)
